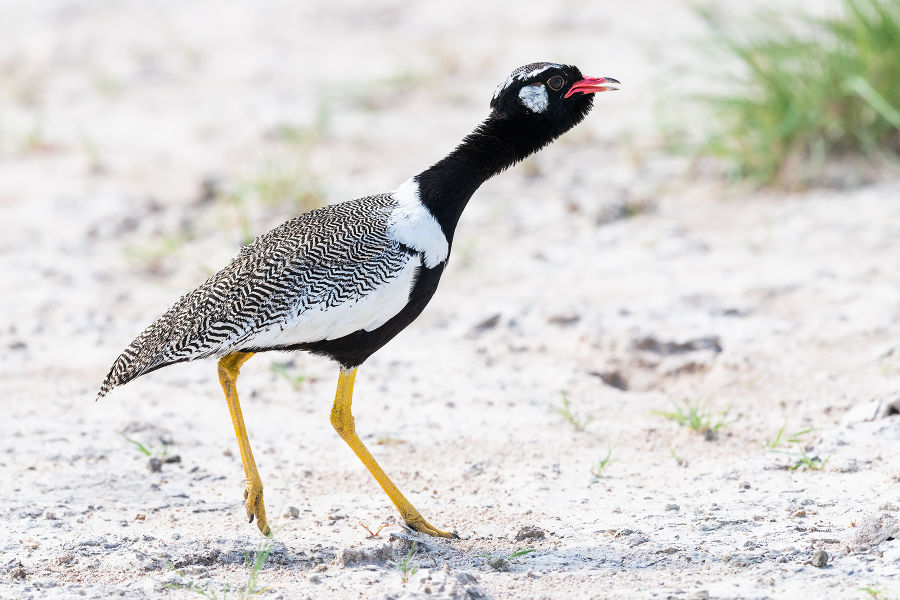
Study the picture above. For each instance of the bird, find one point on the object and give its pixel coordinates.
(341, 281)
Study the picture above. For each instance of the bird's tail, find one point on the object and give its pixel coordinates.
(152, 349)
(123, 370)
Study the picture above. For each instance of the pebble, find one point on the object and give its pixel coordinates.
(820, 558)
(672, 507)
(530, 532)
(498, 563)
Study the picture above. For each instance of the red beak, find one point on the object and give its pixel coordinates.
(592, 85)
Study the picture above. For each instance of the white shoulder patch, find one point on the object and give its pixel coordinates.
(411, 224)
(535, 98)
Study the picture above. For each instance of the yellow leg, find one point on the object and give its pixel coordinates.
(343, 422)
(229, 369)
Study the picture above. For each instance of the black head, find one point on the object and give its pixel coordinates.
(552, 97)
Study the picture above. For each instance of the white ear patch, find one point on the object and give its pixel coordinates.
(534, 97)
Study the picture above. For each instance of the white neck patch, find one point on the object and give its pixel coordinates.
(535, 98)
(411, 224)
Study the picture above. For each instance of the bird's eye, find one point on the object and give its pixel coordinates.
(555, 82)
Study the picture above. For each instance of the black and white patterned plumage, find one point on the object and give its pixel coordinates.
(319, 276)
(343, 280)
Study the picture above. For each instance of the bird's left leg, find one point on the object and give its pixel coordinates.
(229, 369)
(343, 422)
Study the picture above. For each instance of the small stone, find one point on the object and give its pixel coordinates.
(175, 458)
(800, 513)
(140, 517)
(292, 512)
(672, 507)
(155, 465)
(613, 379)
(315, 579)
(195, 571)
(18, 573)
(64, 559)
(498, 563)
(530, 533)
(820, 559)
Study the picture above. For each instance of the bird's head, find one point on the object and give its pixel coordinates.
(549, 96)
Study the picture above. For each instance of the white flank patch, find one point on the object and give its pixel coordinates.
(535, 98)
(317, 323)
(413, 225)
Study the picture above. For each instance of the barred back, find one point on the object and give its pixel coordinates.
(315, 262)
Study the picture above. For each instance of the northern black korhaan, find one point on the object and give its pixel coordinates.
(341, 281)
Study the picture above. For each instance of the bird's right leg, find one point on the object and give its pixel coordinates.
(343, 422)
(229, 369)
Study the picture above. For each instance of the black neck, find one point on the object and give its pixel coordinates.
(495, 145)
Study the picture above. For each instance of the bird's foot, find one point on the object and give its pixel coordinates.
(256, 509)
(417, 523)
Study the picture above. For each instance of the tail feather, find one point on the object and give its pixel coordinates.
(131, 364)
(157, 346)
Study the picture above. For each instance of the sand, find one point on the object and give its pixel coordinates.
(133, 138)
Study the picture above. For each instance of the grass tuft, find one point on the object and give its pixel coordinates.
(696, 418)
(791, 438)
(511, 556)
(503, 562)
(295, 379)
(578, 422)
(405, 566)
(601, 464)
(679, 460)
(874, 593)
(807, 91)
(138, 445)
(802, 460)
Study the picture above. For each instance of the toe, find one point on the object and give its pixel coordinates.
(421, 525)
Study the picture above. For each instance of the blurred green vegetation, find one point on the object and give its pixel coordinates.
(808, 90)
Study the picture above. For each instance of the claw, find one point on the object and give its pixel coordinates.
(256, 508)
(418, 523)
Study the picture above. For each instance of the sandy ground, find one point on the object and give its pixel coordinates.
(133, 141)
